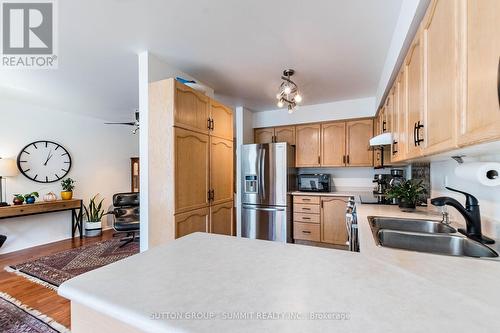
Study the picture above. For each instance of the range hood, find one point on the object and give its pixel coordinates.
(383, 139)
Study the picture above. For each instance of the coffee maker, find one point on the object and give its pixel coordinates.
(382, 182)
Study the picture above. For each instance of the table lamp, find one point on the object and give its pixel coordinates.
(8, 168)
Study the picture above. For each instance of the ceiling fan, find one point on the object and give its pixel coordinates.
(134, 123)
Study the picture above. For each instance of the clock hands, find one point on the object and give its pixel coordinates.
(48, 158)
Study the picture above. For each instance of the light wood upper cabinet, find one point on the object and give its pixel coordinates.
(333, 227)
(285, 134)
(307, 151)
(191, 109)
(333, 144)
(193, 221)
(191, 170)
(221, 219)
(264, 135)
(221, 169)
(222, 120)
(414, 91)
(440, 31)
(359, 133)
(399, 119)
(481, 37)
(388, 114)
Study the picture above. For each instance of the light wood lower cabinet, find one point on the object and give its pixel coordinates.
(221, 219)
(191, 170)
(322, 219)
(221, 170)
(359, 133)
(193, 221)
(333, 227)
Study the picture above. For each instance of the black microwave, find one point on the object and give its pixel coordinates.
(319, 182)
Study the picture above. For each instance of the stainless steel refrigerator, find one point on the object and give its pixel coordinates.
(268, 177)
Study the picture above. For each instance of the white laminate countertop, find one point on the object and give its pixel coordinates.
(380, 289)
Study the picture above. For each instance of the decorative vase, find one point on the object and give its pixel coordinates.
(17, 201)
(406, 206)
(51, 196)
(30, 200)
(66, 195)
(93, 229)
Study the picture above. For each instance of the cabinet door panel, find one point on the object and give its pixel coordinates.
(307, 151)
(481, 117)
(441, 75)
(193, 221)
(221, 169)
(191, 108)
(222, 117)
(264, 135)
(191, 170)
(359, 133)
(333, 144)
(285, 134)
(414, 91)
(333, 227)
(221, 219)
(400, 122)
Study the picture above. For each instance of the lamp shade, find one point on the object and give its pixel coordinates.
(8, 168)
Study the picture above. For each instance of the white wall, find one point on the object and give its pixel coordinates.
(244, 135)
(101, 164)
(410, 15)
(443, 174)
(151, 69)
(355, 108)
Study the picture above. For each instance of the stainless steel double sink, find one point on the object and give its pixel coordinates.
(425, 236)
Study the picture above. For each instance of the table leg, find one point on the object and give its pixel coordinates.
(73, 223)
(81, 219)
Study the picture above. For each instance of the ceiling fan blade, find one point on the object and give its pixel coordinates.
(128, 124)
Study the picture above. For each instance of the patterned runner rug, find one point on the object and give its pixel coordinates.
(52, 270)
(16, 317)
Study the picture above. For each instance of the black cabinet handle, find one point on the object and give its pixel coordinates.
(383, 126)
(213, 124)
(415, 134)
(348, 162)
(344, 160)
(418, 127)
(394, 150)
(209, 123)
(306, 232)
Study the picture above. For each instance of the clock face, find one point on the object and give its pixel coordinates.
(44, 161)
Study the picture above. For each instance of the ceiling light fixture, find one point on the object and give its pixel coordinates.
(289, 92)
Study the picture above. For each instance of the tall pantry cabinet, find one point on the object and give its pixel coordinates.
(191, 152)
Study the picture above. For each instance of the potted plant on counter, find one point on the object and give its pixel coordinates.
(93, 214)
(30, 198)
(18, 199)
(68, 185)
(407, 193)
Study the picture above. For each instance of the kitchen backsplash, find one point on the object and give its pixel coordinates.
(347, 177)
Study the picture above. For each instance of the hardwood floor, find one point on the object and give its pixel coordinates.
(34, 295)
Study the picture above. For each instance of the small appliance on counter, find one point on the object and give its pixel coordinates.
(383, 183)
(318, 182)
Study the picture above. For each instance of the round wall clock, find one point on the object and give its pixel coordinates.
(44, 161)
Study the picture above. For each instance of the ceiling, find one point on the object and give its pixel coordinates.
(337, 47)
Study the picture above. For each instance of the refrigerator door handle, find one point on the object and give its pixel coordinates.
(266, 209)
(262, 172)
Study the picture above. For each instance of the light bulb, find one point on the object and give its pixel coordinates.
(278, 96)
(290, 110)
(280, 104)
(298, 98)
(287, 90)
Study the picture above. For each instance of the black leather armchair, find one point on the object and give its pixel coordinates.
(126, 216)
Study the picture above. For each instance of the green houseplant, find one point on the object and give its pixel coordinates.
(31, 197)
(408, 194)
(68, 185)
(93, 214)
(18, 199)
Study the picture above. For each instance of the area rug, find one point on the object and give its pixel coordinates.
(16, 317)
(52, 270)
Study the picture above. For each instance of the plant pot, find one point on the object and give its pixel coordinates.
(66, 195)
(406, 206)
(93, 229)
(30, 200)
(17, 201)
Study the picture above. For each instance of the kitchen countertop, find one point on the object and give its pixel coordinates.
(339, 192)
(378, 289)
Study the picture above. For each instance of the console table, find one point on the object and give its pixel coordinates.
(74, 205)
